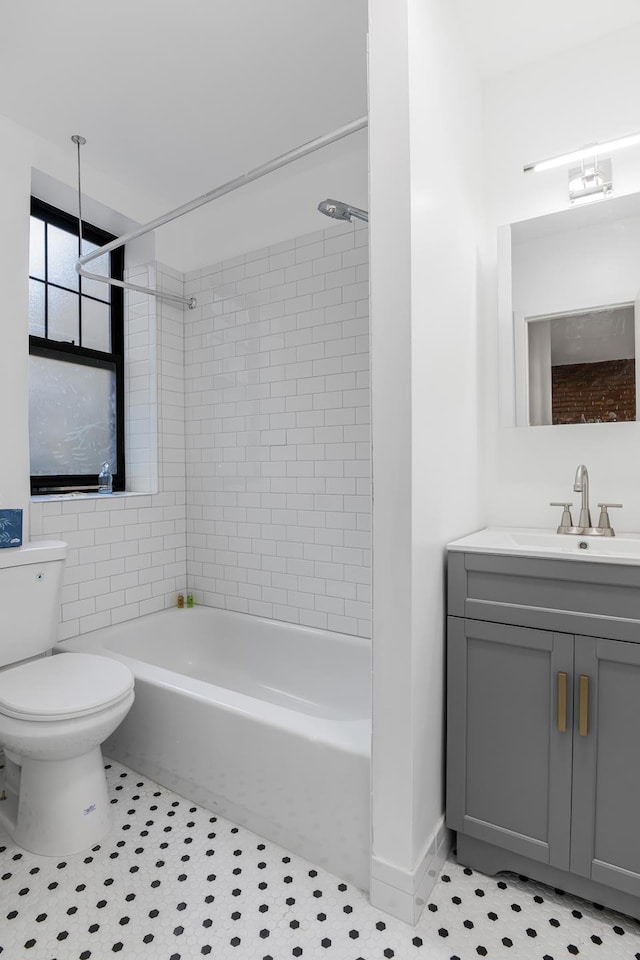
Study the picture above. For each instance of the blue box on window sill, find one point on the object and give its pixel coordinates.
(10, 528)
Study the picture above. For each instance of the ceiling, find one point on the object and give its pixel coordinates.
(177, 96)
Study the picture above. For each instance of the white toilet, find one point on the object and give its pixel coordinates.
(55, 712)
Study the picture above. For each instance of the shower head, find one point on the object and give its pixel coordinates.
(342, 211)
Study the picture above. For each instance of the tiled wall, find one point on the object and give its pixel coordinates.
(141, 382)
(127, 554)
(278, 432)
(248, 447)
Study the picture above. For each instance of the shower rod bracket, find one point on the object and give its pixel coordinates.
(283, 160)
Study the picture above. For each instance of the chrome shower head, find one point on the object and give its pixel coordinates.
(342, 211)
(335, 209)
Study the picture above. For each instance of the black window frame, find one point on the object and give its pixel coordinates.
(71, 352)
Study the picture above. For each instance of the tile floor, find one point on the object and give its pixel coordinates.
(173, 882)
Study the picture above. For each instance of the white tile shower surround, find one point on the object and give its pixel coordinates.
(173, 882)
(278, 432)
(266, 383)
(126, 557)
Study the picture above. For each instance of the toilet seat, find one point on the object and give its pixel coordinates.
(63, 687)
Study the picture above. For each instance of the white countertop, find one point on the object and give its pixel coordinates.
(529, 542)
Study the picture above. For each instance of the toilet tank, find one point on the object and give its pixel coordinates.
(30, 585)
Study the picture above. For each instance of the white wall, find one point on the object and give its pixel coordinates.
(424, 261)
(527, 467)
(14, 265)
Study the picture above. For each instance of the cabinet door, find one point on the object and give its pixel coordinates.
(605, 839)
(509, 760)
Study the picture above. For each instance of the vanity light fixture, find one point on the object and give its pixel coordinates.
(591, 150)
(592, 180)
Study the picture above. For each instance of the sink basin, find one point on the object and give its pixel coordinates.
(522, 542)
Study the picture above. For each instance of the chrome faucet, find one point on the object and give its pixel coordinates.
(584, 527)
(581, 485)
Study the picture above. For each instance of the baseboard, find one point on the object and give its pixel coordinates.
(404, 893)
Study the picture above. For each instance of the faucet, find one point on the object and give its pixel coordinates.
(584, 526)
(581, 485)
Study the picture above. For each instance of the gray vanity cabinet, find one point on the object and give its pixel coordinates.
(605, 838)
(509, 772)
(543, 724)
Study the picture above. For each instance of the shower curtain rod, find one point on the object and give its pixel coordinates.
(302, 151)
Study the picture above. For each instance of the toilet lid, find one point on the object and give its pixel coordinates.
(62, 686)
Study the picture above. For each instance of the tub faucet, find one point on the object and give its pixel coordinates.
(581, 485)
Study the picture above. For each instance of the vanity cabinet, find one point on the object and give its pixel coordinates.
(605, 827)
(543, 742)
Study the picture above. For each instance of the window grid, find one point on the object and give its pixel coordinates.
(76, 352)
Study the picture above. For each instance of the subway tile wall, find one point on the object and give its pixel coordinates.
(248, 447)
(127, 554)
(141, 382)
(278, 450)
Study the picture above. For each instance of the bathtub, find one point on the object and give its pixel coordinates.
(266, 723)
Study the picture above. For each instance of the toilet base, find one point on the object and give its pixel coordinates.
(63, 805)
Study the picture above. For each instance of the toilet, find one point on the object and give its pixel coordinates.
(55, 712)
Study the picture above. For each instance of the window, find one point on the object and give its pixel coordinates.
(76, 337)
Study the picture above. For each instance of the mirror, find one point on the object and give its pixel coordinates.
(569, 305)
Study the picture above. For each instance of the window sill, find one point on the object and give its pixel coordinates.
(117, 495)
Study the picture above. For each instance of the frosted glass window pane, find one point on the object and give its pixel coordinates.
(72, 417)
(36, 248)
(96, 326)
(63, 315)
(36, 308)
(62, 253)
(100, 266)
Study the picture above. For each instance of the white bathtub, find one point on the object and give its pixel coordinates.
(266, 723)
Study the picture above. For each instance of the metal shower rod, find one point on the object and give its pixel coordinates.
(302, 151)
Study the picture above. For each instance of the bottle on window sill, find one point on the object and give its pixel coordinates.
(105, 480)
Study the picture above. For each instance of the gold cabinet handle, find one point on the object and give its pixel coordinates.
(562, 702)
(583, 724)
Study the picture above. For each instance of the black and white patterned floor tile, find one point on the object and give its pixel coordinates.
(174, 882)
